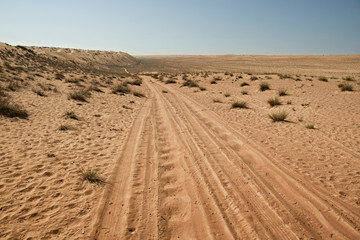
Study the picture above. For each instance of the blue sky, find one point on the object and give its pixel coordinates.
(143, 27)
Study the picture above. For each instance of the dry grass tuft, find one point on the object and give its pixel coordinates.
(264, 86)
(279, 116)
(91, 176)
(274, 101)
(11, 110)
(241, 104)
(80, 95)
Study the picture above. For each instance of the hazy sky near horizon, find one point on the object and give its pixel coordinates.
(143, 27)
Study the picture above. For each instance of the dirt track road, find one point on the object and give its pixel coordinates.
(185, 174)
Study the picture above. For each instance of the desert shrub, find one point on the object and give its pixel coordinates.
(59, 76)
(253, 78)
(11, 110)
(227, 94)
(137, 82)
(190, 83)
(80, 95)
(13, 86)
(71, 115)
(76, 81)
(39, 92)
(244, 92)
(121, 88)
(274, 101)
(217, 78)
(348, 78)
(244, 84)
(212, 82)
(310, 126)
(65, 127)
(164, 91)
(202, 88)
(284, 76)
(91, 176)
(323, 79)
(345, 87)
(241, 104)
(170, 81)
(227, 73)
(138, 94)
(278, 116)
(289, 102)
(94, 88)
(282, 92)
(217, 100)
(264, 86)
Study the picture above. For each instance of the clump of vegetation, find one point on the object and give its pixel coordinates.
(137, 81)
(264, 86)
(170, 81)
(323, 79)
(278, 116)
(244, 84)
(282, 92)
(212, 82)
(227, 94)
(71, 115)
(310, 126)
(289, 102)
(59, 76)
(253, 78)
(202, 88)
(227, 73)
(121, 88)
(348, 78)
(80, 95)
(241, 104)
(345, 87)
(217, 100)
(65, 127)
(91, 176)
(95, 89)
(274, 102)
(163, 91)
(39, 92)
(190, 83)
(217, 78)
(244, 92)
(13, 86)
(284, 76)
(11, 110)
(138, 94)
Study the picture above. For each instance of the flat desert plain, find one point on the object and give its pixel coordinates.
(104, 145)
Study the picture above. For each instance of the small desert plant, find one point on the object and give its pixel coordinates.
(253, 78)
(345, 87)
(310, 126)
(137, 82)
(121, 88)
(217, 100)
(10, 110)
(244, 92)
(274, 102)
(65, 127)
(71, 115)
(138, 94)
(264, 86)
(323, 79)
(278, 116)
(227, 94)
(80, 95)
(218, 78)
(348, 78)
(39, 92)
(244, 84)
(59, 76)
(202, 88)
(91, 176)
(163, 91)
(241, 104)
(76, 81)
(95, 89)
(13, 86)
(289, 102)
(169, 81)
(227, 73)
(282, 92)
(212, 82)
(190, 83)
(284, 76)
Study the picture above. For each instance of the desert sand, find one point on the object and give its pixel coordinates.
(173, 159)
